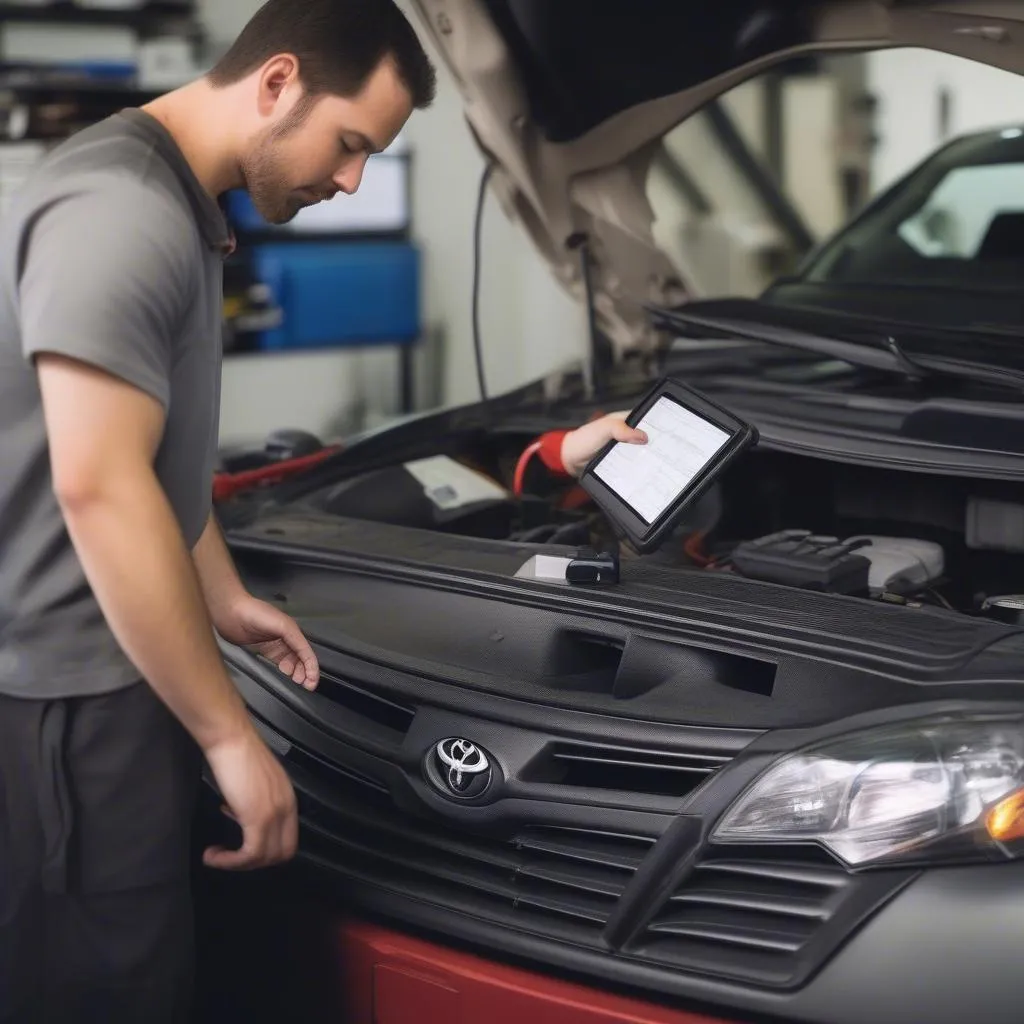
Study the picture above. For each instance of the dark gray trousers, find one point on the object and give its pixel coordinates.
(96, 802)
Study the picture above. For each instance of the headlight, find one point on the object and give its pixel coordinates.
(948, 789)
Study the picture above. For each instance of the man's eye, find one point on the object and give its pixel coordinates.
(346, 148)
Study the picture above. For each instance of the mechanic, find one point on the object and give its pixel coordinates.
(114, 577)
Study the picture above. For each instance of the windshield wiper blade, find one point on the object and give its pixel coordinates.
(889, 357)
(969, 369)
(835, 348)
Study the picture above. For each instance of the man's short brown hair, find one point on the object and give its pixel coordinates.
(338, 43)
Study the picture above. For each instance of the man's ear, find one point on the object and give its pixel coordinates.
(277, 78)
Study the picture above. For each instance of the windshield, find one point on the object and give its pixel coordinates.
(957, 221)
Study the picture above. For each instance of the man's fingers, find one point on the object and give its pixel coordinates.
(223, 859)
(292, 636)
(261, 847)
(293, 654)
(289, 836)
(631, 435)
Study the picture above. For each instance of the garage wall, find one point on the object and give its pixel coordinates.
(910, 84)
(529, 326)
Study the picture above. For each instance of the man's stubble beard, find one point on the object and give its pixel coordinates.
(263, 172)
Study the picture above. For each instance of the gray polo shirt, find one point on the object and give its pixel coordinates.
(112, 255)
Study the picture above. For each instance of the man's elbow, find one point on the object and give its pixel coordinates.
(77, 491)
(85, 486)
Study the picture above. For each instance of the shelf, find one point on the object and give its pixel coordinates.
(76, 88)
(48, 112)
(80, 87)
(150, 15)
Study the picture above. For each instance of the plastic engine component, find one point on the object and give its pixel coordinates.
(901, 564)
(857, 565)
(393, 495)
(995, 525)
(798, 558)
(1008, 608)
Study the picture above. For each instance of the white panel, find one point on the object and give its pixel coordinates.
(25, 43)
(224, 19)
(811, 159)
(908, 83)
(380, 204)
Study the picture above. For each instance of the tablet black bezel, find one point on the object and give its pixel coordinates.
(646, 537)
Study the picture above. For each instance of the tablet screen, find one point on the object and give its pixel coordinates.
(649, 477)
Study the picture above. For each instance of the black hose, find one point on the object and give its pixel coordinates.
(477, 260)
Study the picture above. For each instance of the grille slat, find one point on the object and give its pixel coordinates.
(801, 874)
(770, 941)
(571, 908)
(623, 852)
(599, 766)
(640, 762)
(762, 904)
(598, 883)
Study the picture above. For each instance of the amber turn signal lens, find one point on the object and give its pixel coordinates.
(1005, 822)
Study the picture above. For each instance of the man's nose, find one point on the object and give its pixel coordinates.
(348, 178)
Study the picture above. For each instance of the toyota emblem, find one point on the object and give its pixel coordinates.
(460, 768)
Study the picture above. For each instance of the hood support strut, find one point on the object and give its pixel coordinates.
(601, 358)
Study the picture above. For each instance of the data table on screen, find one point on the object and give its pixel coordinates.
(651, 476)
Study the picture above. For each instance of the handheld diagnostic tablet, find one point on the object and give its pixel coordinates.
(645, 489)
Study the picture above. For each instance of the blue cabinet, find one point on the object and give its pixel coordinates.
(340, 294)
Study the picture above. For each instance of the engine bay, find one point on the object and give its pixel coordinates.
(897, 537)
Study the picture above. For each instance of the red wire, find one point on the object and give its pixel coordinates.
(227, 485)
(517, 484)
(693, 546)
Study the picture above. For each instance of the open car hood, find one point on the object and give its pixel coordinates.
(570, 99)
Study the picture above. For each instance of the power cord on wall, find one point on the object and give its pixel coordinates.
(477, 260)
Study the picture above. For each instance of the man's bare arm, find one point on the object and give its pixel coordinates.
(222, 588)
(103, 434)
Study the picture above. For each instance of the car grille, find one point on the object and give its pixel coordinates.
(588, 871)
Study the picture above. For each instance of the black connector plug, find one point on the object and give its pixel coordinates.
(591, 567)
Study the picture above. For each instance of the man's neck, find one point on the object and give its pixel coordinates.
(196, 117)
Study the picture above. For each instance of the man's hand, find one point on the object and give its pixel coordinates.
(266, 630)
(259, 797)
(583, 443)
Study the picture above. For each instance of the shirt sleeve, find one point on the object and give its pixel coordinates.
(550, 451)
(105, 280)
